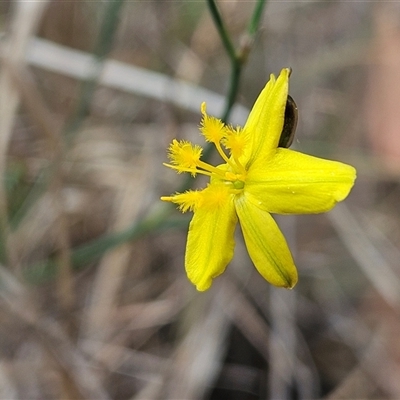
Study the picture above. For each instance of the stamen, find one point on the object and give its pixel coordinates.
(193, 171)
(213, 129)
(211, 168)
(242, 169)
(222, 153)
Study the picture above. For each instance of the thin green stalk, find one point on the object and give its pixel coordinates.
(223, 33)
(236, 71)
(234, 57)
(252, 28)
(237, 58)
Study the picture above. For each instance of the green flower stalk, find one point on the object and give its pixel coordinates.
(256, 179)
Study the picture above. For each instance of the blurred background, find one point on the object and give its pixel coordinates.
(94, 300)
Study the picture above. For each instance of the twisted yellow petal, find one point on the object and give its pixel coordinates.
(265, 121)
(266, 245)
(296, 183)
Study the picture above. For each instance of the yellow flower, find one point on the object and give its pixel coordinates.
(257, 178)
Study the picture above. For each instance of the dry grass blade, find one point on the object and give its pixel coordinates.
(143, 317)
(375, 368)
(131, 189)
(128, 78)
(7, 387)
(282, 341)
(155, 313)
(18, 301)
(51, 129)
(198, 356)
(25, 19)
(248, 320)
(370, 260)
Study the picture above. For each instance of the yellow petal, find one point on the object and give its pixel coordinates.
(265, 122)
(296, 183)
(210, 243)
(266, 245)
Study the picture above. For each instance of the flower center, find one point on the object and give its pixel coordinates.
(239, 185)
(229, 142)
(236, 179)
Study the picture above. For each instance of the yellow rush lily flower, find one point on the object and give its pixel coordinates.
(257, 178)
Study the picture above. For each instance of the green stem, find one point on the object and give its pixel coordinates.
(223, 33)
(236, 71)
(237, 58)
(256, 18)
